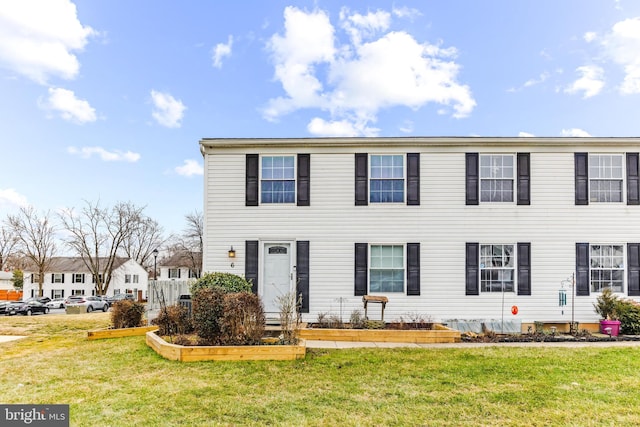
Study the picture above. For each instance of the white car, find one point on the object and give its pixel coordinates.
(56, 303)
(92, 303)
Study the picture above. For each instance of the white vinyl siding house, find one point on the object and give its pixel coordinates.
(454, 228)
(68, 276)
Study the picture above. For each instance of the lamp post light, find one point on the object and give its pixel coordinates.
(155, 261)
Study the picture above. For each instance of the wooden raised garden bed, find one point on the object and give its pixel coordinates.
(99, 334)
(247, 352)
(439, 334)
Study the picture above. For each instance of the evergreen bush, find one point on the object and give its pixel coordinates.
(227, 282)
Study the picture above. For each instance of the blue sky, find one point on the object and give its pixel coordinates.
(107, 99)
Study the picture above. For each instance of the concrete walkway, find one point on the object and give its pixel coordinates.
(7, 338)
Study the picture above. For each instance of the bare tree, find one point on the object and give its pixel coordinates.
(36, 238)
(144, 239)
(187, 247)
(8, 244)
(97, 234)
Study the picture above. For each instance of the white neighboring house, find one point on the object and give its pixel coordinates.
(6, 280)
(179, 266)
(68, 276)
(450, 228)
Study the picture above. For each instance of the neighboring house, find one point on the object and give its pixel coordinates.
(68, 276)
(180, 266)
(6, 280)
(449, 228)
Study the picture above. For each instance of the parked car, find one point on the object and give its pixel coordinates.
(56, 303)
(3, 306)
(90, 302)
(26, 308)
(119, 297)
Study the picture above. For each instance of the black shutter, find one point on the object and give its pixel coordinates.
(302, 274)
(582, 269)
(252, 174)
(52, 276)
(582, 179)
(633, 179)
(472, 276)
(524, 179)
(62, 294)
(82, 278)
(362, 179)
(472, 180)
(524, 268)
(51, 293)
(633, 264)
(62, 275)
(251, 264)
(413, 179)
(413, 268)
(361, 269)
(179, 270)
(304, 177)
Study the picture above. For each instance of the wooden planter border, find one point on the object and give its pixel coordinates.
(246, 352)
(99, 334)
(440, 334)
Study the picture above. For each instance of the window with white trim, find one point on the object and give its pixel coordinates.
(57, 278)
(386, 268)
(174, 273)
(278, 179)
(57, 293)
(194, 273)
(386, 179)
(606, 267)
(606, 175)
(497, 268)
(496, 177)
(77, 278)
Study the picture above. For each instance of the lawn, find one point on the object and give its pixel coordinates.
(121, 382)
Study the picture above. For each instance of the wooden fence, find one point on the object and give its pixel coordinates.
(10, 295)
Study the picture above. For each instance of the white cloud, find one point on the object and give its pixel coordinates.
(39, 38)
(70, 108)
(190, 168)
(168, 111)
(590, 83)
(525, 135)
(574, 132)
(532, 82)
(220, 51)
(406, 127)
(590, 36)
(406, 12)
(107, 156)
(622, 45)
(353, 82)
(344, 128)
(11, 198)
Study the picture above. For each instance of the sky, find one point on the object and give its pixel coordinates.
(106, 100)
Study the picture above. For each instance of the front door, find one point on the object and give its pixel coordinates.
(278, 275)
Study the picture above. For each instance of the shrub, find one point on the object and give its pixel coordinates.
(127, 314)
(207, 311)
(629, 316)
(357, 319)
(606, 305)
(243, 319)
(227, 282)
(173, 319)
(288, 305)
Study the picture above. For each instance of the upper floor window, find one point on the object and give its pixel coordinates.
(194, 273)
(386, 268)
(606, 173)
(174, 273)
(496, 178)
(77, 278)
(131, 278)
(278, 183)
(497, 268)
(606, 267)
(386, 184)
(57, 278)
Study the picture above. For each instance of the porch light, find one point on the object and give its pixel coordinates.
(232, 252)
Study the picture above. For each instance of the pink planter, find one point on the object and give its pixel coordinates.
(613, 324)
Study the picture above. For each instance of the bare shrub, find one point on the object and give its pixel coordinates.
(243, 320)
(127, 314)
(173, 319)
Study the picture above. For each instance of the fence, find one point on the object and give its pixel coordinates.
(166, 292)
(10, 295)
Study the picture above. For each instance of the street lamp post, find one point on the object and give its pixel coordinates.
(155, 260)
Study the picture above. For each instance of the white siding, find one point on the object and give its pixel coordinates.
(442, 224)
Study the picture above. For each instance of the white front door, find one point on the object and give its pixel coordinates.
(278, 275)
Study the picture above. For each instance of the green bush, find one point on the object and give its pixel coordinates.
(629, 315)
(207, 311)
(227, 282)
(172, 320)
(127, 314)
(243, 319)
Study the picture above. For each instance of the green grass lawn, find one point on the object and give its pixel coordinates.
(121, 382)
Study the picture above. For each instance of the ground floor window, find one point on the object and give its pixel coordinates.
(57, 293)
(606, 267)
(174, 273)
(497, 268)
(77, 292)
(386, 268)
